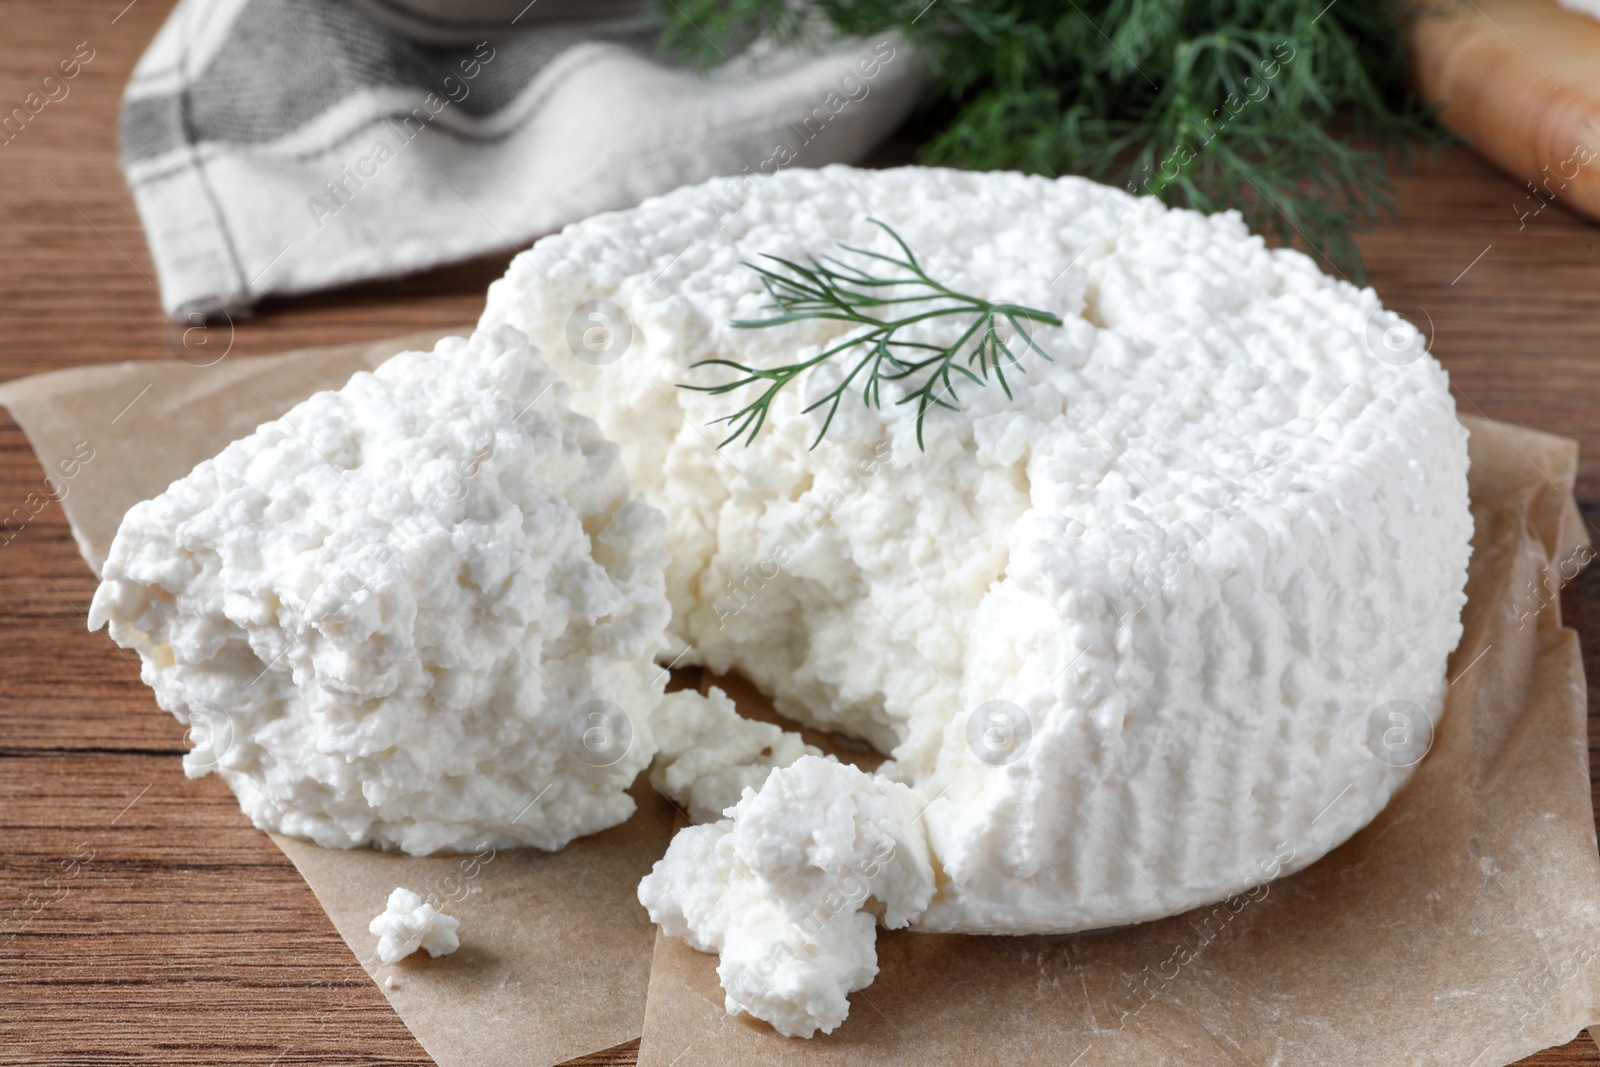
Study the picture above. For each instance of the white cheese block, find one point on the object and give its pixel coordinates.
(420, 612)
(1133, 634)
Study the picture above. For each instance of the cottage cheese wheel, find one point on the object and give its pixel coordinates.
(1171, 619)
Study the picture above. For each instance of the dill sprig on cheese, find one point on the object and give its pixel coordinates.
(831, 289)
(1207, 104)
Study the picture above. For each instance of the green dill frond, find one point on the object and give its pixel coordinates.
(878, 299)
(1208, 104)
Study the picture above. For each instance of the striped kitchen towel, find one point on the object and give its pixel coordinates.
(283, 146)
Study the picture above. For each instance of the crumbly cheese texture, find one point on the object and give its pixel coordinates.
(790, 889)
(420, 612)
(707, 755)
(1123, 631)
(407, 924)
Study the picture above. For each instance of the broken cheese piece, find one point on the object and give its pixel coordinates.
(791, 889)
(707, 755)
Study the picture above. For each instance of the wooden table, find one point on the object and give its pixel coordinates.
(188, 938)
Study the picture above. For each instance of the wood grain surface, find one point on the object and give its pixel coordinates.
(142, 919)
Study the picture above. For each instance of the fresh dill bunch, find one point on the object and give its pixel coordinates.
(1208, 104)
(831, 289)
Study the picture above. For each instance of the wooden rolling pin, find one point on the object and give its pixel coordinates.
(1520, 80)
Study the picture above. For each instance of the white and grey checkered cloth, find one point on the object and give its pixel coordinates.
(283, 146)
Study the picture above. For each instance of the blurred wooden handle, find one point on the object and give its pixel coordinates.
(1520, 80)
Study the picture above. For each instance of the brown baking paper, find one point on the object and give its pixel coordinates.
(1461, 928)
(555, 950)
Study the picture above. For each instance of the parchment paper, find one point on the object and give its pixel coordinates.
(555, 949)
(1461, 928)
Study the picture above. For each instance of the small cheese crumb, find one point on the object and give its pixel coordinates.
(408, 924)
(708, 754)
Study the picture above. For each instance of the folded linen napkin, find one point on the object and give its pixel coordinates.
(282, 146)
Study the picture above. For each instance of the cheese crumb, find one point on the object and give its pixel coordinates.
(408, 924)
(708, 755)
(791, 889)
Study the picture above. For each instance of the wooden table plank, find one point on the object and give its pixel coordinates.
(187, 938)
